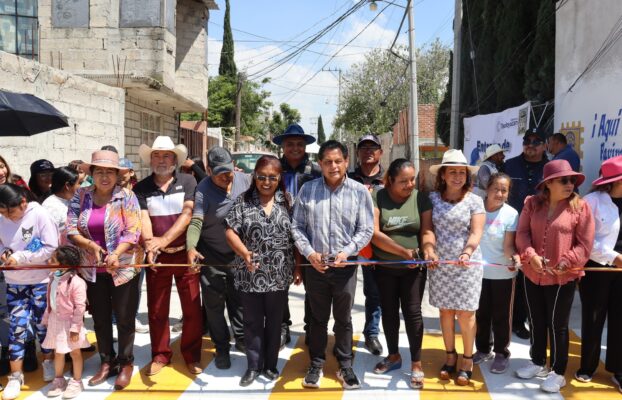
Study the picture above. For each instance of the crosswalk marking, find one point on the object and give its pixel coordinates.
(174, 382)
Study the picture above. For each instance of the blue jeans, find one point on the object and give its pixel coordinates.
(372, 303)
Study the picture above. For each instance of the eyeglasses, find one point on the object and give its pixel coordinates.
(568, 179)
(263, 178)
(534, 142)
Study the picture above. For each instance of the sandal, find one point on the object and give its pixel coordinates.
(464, 376)
(416, 379)
(387, 365)
(447, 370)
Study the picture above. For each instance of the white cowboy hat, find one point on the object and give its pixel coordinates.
(453, 158)
(492, 150)
(163, 143)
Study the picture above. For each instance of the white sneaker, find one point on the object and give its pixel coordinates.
(14, 387)
(553, 383)
(140, 327)
(532, 370)
(48, 370)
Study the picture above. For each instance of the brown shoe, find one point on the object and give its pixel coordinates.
(124, 378)
(194, 368)
(154, 368)
(106, 370)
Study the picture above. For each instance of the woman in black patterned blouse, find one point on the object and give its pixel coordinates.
(259, 231)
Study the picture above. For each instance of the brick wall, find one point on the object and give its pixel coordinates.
(191, 75)
(426, 114)
(133, 133)
(95, 112)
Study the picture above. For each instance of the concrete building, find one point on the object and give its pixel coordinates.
(588, 80)
(155, 51)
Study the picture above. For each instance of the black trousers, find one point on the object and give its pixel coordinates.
(104, 299)
(601, 298)
(494, 316)
(403, 286)
(549, 312)
(218, 293)
(519, 312)
(263, 314)
(335, 288)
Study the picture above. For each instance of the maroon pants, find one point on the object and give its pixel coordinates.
(159, 283)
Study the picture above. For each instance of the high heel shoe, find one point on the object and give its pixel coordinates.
(464, 376)
(446, 369)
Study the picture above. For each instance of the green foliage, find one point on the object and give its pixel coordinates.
(377, 89)
(227, 63)
(221, 106)
(191, 116)
(540, 66)
(283, 118)
(443, 116)
(321, 136)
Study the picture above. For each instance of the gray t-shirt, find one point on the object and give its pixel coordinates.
(212, 204)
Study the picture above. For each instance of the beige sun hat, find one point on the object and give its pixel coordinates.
(453, 158)
(105, 159)
(163, 143)
(492, 150)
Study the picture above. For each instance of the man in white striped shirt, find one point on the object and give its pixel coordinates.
(333, 216)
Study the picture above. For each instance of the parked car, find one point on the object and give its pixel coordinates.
(246, 160)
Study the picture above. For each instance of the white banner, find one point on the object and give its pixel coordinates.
(505, 128)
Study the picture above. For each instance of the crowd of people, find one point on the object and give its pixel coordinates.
(498, 245)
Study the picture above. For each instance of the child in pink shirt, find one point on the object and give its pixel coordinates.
(64, 320)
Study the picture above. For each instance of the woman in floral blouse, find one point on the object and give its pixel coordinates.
(104, 221)
(258, 230)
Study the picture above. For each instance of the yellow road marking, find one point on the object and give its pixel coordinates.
(171, 382)
(600, 388)
(289, 384)
(433, 358)
(33, 381)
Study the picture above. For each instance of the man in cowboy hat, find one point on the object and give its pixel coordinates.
(166, 200)
(297, 169)
(491, 164)
(369, 172)
(526, 172)
(206, 241)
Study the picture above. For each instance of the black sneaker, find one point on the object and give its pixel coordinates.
(285, 337)
(312, 379)
(521, 332)
(373, 345)
(348, 378)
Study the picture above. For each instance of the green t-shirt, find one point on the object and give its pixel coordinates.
(400, 221)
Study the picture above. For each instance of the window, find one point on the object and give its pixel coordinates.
(19, 27)
(150, 128)
(70, 13)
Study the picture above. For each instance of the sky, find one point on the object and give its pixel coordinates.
(265, 31)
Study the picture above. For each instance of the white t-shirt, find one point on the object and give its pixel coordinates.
(498, 222)
(57, 207)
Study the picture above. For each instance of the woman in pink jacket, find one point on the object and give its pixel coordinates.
(554, 238)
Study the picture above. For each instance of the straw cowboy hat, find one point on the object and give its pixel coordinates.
(492, 150)
(453, 158)
(558, 169)
(610, 171)
(105, 159)
(163, 143)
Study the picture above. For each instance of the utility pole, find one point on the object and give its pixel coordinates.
(413, 115)
(238, 111)
(338, 97)
(454, 126)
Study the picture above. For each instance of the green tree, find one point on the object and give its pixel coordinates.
(321, 136)
(540, 66)
(443, 116)
(377, 89)
(281, 119)
(227, 63)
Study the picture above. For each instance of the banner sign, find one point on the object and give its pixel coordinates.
(505, 128)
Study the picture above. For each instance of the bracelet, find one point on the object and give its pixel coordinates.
(464, 252)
